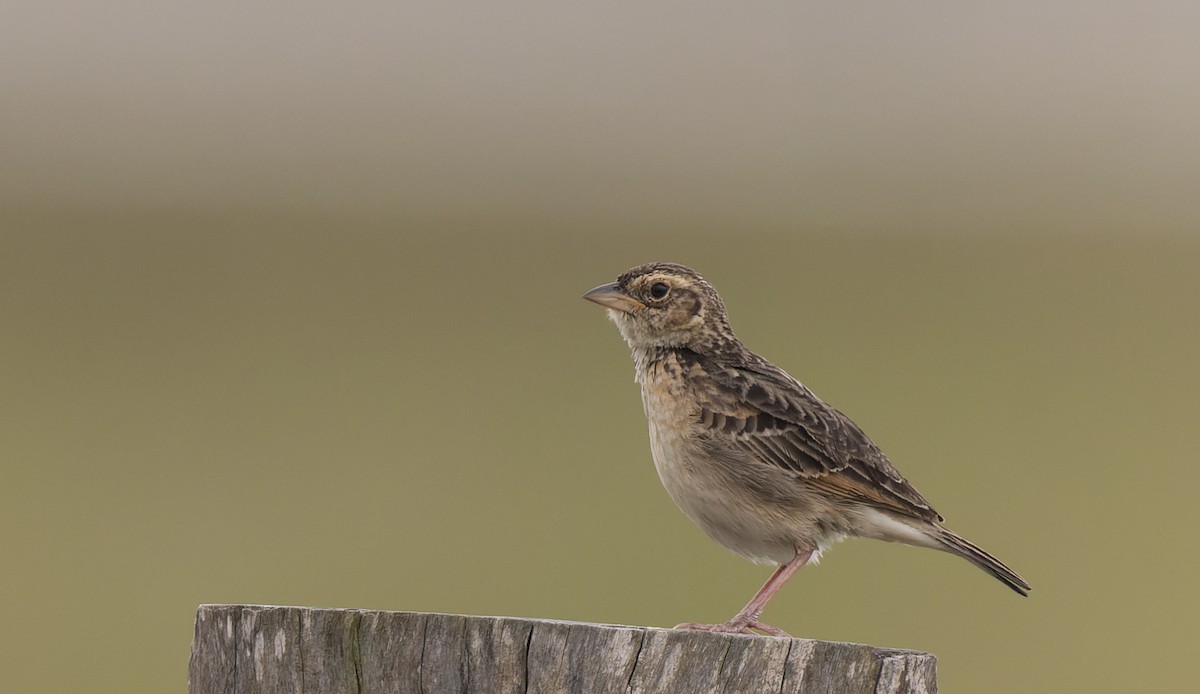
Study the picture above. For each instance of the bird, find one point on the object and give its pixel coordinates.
(749, 454)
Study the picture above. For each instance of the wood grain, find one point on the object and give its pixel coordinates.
(245, 649)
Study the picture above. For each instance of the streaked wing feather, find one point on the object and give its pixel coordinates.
(763, 411)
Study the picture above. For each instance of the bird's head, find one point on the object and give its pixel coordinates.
(666, 306)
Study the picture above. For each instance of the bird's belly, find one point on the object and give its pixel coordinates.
(761, 528)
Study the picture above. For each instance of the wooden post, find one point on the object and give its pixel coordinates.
(257, 649)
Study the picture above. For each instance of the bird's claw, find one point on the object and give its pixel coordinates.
(736, 627)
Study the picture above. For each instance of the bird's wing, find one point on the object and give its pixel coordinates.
(761, 410)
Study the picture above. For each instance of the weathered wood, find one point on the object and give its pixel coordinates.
(256, 649)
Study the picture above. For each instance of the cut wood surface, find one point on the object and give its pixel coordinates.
(243, 649)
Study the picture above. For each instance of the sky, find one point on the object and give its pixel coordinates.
(884, 117)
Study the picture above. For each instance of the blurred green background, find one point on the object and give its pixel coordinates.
(290, 308)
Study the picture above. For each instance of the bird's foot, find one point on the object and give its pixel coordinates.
(736, 626)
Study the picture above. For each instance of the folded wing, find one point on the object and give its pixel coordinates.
(762, 411)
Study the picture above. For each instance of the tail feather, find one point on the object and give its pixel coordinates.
(957, 544)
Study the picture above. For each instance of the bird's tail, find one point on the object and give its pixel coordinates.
(957, 544)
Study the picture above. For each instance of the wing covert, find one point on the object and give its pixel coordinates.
(762, 412)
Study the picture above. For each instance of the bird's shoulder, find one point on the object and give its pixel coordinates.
(749, 408)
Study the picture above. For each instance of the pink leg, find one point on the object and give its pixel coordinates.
(745, 621)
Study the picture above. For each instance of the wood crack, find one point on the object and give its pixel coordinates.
(636, 657)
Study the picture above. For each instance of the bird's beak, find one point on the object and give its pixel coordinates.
(610, 296)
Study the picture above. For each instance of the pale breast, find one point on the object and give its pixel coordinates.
(671, 412)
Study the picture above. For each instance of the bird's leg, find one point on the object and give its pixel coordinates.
(746, 621)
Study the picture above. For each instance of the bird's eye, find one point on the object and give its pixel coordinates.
(659, 290)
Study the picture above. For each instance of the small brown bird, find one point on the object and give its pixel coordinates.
(748, 453)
